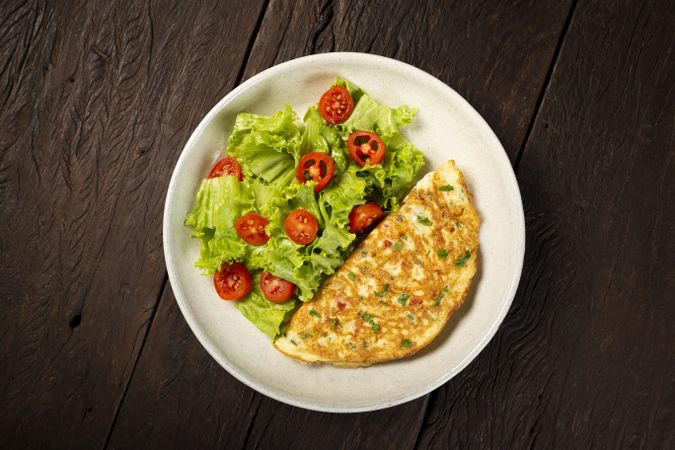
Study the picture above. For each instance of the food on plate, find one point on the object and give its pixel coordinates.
(226, 166)
(301, 227)
(366, 146)
(290, 199)
(232, 281)
(315, 166)
(336, 105)
(364, 217)
(398, 289)
(251, 228)
(275, 289)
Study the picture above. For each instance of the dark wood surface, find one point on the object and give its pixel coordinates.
(97, 100)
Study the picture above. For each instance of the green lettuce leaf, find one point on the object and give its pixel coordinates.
(216, 249)
(220, 201)
(268, 148)
(389, 181)
(302, 196)
(373, 116)
(280, 256)
(355, 91)
(318, 135)
(338, 199)
(268, 317)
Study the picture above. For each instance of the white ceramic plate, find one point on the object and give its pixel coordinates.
(447, 127)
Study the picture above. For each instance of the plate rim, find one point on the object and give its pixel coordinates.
(177, 287)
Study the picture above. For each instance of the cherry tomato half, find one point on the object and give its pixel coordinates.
(364, 217)
(301, 226)
(336, 105)
(232, 281)
(316, 166)
(226, 166)
(366, 146)
(251, 228)
(276, 290)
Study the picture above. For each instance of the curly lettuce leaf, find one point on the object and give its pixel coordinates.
(389, 181)
(318, 135)
(268, 317)
(337, 200)
(216, 249)
(320, 259)
(220, 201)
(372, 116)
(355, 91)
(269, 148)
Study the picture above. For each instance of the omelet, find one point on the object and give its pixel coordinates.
(397, 290)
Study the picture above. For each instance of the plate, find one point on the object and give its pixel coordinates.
(446, 127)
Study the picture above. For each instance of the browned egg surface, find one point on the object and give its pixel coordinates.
(396, 291)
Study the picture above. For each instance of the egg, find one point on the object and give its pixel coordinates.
(398, 289)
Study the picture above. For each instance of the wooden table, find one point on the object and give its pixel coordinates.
(97, 100)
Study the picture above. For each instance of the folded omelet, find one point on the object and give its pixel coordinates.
(399, 287)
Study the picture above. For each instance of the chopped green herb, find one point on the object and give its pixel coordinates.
(383, 302)
(403, 299)
(398, 246)
(351, 276)
(411, 318)
(442, 253)
(441, 295)
(370, 320)
(312, 312)
(383, 291)
(305, 335)
(405, 343)
(424, 220)
(446, 188)
(335, 323)
(404, 237)
(365, 344)
(459, 224)
(294, 343)
(462, 259)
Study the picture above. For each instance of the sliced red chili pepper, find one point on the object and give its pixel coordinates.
(366, 146)
(316, 166)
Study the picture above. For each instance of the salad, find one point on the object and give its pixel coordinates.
(289, 201)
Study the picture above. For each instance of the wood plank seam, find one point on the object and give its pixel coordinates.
(249, 429)
(545, 85)
(324, 40)
(535, 113)
(164, 284)
(251, 43)
(138, 357)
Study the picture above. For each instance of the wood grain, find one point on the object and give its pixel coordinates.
(215, 409)
(98, 98)
(585, 358)
(159, 410)
(494, 54)
(181, 398)
(97, 101)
